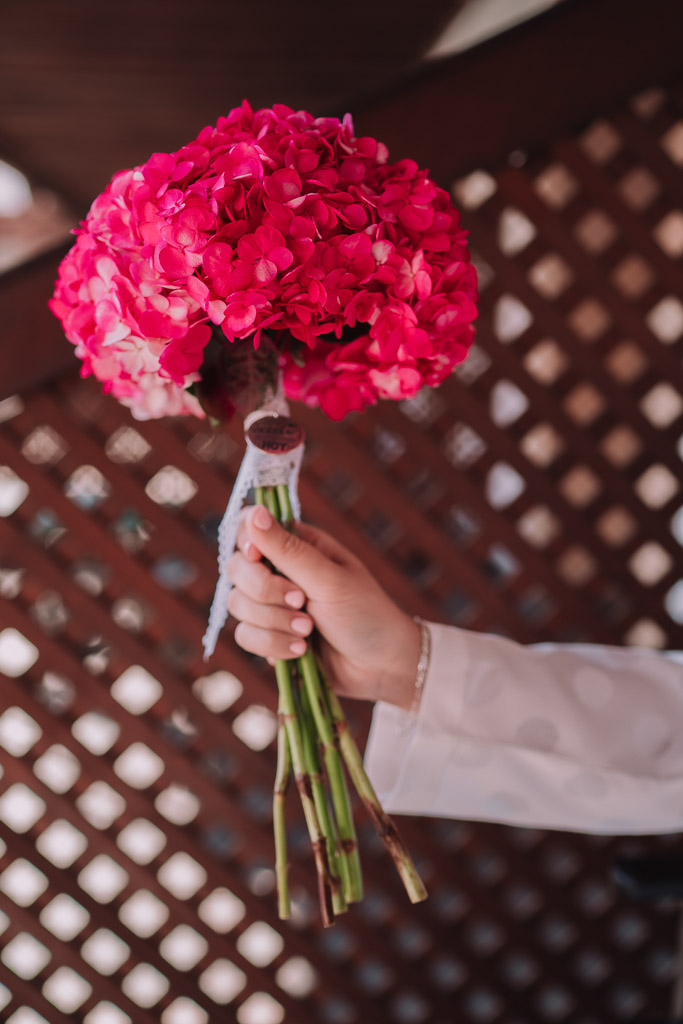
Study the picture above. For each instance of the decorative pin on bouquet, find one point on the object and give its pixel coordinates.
(276, 257)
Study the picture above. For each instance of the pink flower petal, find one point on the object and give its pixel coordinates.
(281, 257)
(243, 161)
(239, 316)
(416, 218)
(264, 270)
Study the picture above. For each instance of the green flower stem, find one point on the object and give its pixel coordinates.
(309, 706)
(292, 726)
(283, 774)
(336, 852)
(321, 805)
(286, 513)
(282, 778)
(350, 860)
(267, 496)
(283, 672)
(386, 829)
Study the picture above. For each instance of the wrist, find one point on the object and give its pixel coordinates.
(400, 682)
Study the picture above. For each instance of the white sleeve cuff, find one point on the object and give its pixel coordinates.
(470, 752)
(405, 753)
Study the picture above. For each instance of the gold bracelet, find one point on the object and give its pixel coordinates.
(422, 665)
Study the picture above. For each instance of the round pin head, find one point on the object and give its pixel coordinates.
(276, 435)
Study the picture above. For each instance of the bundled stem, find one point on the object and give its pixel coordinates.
(386, 829)
(310, 722)
(350, 860)
(346, 849)
(283, 775)
(305, 786)
(321, 805)
(291, 755)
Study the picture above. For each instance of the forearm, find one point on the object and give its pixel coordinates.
(572, 737)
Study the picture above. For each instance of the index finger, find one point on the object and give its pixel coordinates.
(243, 542)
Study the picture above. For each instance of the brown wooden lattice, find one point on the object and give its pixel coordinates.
(536, 494)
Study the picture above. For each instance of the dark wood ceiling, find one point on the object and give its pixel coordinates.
(89, 88)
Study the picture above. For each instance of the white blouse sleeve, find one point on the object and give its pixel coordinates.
(579, 737)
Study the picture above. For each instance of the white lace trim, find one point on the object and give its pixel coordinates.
(258, 469)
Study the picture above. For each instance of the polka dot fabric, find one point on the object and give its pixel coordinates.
(579, 737)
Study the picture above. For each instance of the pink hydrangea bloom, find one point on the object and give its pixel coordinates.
(274, 221)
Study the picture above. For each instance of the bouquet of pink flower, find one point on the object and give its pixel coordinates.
(271, 220)
(276, 249)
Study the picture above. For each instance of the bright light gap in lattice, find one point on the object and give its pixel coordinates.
(141, 840)
(143, 913)
(139, 766)
(96, 731)
(184, 1011)
(673, 602)
(17, 653)
(18, 731)
(66, 990)
(171, 487)
(87, 488)
(221, 910)
(145, 985)
(64, 917)
(100, 805)
(182, 875)
(21, 808)
(130, 614)
(57, 768)
(10, 407)
(126, 445)
(44, 446)
(222, 981)
(105, 951)
(23, 882)
(103, 878)
(297, 977)
(260, 944)
(256, 726)
(218, 691)
(260, 1008)
(106, 1013)
(136, 690)
(177, 804)
(662, 405)
(650, 563)
(25, 956)
(665, 319)
(61, 843)
(183, 947)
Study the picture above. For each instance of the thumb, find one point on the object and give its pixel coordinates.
(294, 557)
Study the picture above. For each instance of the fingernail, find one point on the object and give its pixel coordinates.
(297, 647)
(294, 598)
(248, 548)
(262, 518)
(302, 626)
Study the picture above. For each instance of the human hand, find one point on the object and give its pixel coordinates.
(369, 647)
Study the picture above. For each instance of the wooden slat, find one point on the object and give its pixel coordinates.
(402, 470)
(544, 78)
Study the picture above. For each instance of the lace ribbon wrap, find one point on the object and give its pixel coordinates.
(258, 469)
